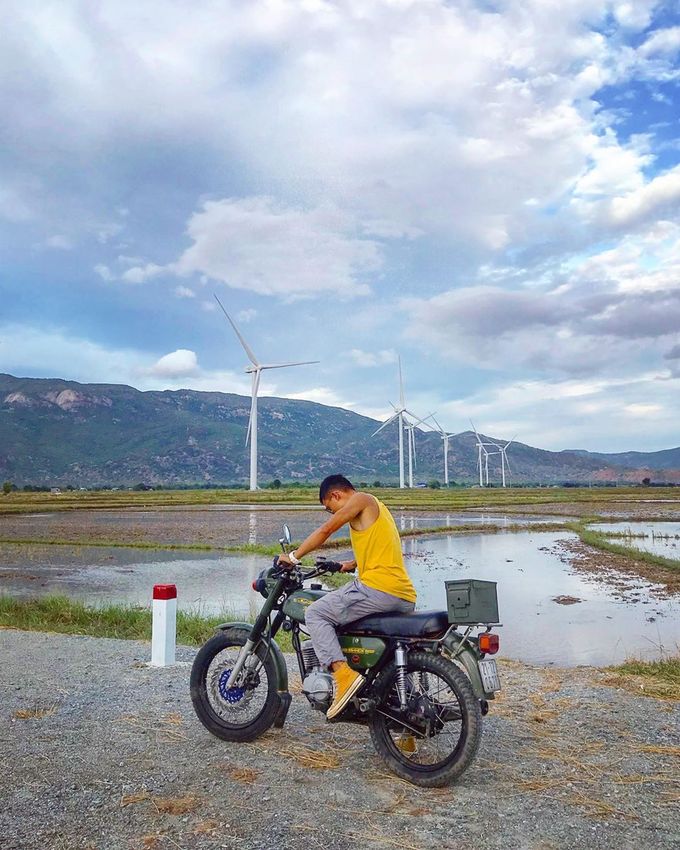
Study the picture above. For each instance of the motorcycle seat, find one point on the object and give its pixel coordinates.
(418, 624)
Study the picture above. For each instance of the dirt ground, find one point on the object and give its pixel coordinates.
(101, 752)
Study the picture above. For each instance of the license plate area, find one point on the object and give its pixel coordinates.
(489, 672)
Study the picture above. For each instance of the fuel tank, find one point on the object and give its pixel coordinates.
(296, 604)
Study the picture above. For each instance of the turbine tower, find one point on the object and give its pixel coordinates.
(255, 370)
(398, 416)
(481, 449)
(502, 450)
(445, 439)
(410, 427)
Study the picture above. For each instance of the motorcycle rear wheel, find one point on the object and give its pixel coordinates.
(446, 691)
(237, 714)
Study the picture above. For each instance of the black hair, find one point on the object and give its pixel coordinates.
(334, 482)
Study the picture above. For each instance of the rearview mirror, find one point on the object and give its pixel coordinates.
(286, 535)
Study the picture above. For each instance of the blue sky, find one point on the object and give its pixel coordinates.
(489, 189)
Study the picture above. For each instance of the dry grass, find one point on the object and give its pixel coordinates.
(176, 805)
(242, 774)
(360, 838)
(310, 758)
(164, 728)
(133, 799)
(206, 827)
(600, 808)
(658, 749)
(643, 686)
(35, 712)
(642, 778)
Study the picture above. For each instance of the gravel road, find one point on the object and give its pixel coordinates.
(116, 760)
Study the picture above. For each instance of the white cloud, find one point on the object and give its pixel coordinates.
(25, 350)
(661, 41)
(263, 246)
(177, 364)
(104, 272)
(602, 314)
(322, 395)
(568, 414)
(184, 292)
(140, 274)
(653, 199)
(245, 316)
(368, 359)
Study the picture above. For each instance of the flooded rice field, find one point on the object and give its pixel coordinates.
(217, 525)
(551, 614)
(659, 538)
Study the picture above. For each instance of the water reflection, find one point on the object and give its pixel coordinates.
(658, 538)
(605, 627)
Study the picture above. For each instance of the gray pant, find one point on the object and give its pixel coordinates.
(343, 606)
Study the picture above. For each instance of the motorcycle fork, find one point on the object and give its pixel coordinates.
(256, 633)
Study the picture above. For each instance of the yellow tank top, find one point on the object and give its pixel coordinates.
(380, 564)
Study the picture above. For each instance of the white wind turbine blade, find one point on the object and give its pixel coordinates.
(253, 404)
(385, 424)
(285, 365)
(413, 438)
(511, 441)
(418, 420)
(438, 426)
(248, 350)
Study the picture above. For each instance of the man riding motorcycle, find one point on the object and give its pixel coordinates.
(383, 584)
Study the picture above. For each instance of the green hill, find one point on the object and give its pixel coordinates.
(59, 432)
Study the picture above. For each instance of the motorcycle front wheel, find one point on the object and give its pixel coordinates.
(240, 713)
(444, 716)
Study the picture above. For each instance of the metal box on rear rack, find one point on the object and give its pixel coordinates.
(470, 601)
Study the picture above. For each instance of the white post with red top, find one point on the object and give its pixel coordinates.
(164, 625)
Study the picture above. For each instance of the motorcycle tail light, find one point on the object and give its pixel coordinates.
(489, 643)
(254, 585)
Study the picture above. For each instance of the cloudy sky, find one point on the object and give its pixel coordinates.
(490, 189)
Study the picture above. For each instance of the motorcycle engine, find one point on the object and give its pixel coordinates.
(318, 688)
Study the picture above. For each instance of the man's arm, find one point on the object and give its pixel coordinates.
(317, 538)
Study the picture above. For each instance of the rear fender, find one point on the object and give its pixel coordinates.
(277, 655)
(467, 658)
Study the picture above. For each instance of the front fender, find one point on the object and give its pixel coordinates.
(277, 655)
(468, 659)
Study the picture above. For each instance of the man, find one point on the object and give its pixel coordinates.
(383, 584)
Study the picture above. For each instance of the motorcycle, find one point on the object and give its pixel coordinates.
(428, 679)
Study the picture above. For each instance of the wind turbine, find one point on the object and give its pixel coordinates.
(410, 427)
(255, 370)
(481, 448)
(502, 450)
(398, 416)
(445, 439)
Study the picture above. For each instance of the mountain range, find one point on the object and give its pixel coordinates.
(55, 432)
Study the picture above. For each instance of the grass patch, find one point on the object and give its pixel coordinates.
(126, 622)
(600, 541)
(458, 498)
(660, 679)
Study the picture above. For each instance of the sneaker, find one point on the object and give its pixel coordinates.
(347, 683)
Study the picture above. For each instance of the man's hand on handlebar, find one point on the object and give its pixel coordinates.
(285, 562)
(348, 566)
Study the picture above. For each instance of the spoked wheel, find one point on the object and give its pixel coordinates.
(242, 712)
(440, 730)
